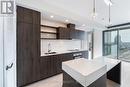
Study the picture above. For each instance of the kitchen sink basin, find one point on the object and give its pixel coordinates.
(51, 53)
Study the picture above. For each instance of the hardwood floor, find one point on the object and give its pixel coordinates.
(56, 81)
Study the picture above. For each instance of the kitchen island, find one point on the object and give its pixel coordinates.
(90, 73)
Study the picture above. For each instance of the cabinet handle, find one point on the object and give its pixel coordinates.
(9, 67)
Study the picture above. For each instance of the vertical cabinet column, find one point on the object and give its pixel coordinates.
(28, 46)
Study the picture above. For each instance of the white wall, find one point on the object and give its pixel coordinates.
(10, 50)
(52, 23)
(1, 52)
(97, 43)
(7, 50)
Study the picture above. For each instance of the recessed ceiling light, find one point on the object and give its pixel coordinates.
(94, 15)
(51, 16)
(66, 20)
(83, 25)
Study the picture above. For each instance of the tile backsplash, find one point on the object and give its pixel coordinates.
(60, 45)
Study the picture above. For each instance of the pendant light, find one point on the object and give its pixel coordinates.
(108, 2)
(110, 15)
(94, 14)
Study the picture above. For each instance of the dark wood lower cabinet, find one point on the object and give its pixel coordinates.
(49, 66)
(52, 65)
(66, 57)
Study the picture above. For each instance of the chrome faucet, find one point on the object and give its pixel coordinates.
(49, 48)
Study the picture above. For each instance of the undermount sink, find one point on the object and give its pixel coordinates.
(51, 53)
(74, 50)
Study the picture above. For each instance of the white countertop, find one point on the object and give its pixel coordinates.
(62, 52)
(87, 71)
(84, 71)
(107, 61)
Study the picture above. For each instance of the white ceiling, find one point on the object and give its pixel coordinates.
(120, 10)
(80, 11)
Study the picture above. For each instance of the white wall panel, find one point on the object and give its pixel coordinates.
(97, 43)
(1, 52)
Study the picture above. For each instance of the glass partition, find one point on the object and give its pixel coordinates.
(124, 45)
(110, 44)
(116, 43)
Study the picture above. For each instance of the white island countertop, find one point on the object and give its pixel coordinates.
(87, 71)
(110, 62)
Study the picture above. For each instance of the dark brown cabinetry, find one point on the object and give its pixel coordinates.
(66, 57)
(52, 65)
(63, 33)
(69, 33)
(28, 46)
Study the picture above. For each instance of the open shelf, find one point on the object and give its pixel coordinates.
(48, 32)
(49, 38)
(49, 26)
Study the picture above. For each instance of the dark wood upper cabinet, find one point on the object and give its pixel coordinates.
(63, 33)
(24, 15)
(36, 18)
(70, 33)
(28, 46)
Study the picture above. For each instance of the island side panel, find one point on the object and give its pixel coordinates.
(115, 74)
(68, 81)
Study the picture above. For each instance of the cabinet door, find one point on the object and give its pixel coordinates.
(66, 57)
(44, 67)
(24, 53)
(59, 64)
(20, 54)
(20, 16)
(72, 33)
(35, 47)
(28, 47)
(47, 67)
(63, 33)
(28, 15)
(54, 61)
(36, 17)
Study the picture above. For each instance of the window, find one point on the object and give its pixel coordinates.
(116, 43)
